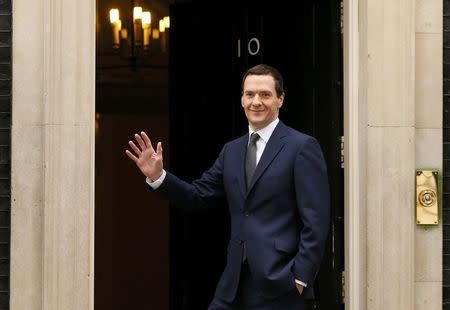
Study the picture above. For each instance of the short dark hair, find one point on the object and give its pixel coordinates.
(263, 69)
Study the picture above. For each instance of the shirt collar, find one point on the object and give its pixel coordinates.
(265, 132)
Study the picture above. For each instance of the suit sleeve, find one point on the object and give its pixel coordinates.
(200, 193)
(313, 203)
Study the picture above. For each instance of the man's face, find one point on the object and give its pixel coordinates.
(260, 101)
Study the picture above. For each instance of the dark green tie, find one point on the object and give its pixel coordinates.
(250, 165)
(250, 160)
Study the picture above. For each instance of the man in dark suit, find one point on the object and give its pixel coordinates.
(276, 185)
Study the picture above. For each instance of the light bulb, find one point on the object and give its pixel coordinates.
(113, 15)
(146, 19)
(167, 21)
(137, 13)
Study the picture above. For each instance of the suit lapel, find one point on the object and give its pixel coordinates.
(273, 147)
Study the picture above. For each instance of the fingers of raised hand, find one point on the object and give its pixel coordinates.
(129, 154)
(140, 141)
(135, 148)
(159, 149)
(146, 139)
(144, 146)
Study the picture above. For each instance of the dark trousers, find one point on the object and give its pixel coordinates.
(248, 297)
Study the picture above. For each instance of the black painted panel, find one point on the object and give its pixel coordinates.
(5, 149)
(446, 158)
(5, 22)
(5, 6)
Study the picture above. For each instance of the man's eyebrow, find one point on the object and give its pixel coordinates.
(258, 91)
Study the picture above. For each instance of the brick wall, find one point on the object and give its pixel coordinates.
(446, 148)
(5, 147)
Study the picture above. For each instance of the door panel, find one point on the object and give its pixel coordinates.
(212, 44)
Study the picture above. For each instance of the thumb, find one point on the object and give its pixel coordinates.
(159, 149)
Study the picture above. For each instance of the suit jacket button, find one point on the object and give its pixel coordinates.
(247, 213)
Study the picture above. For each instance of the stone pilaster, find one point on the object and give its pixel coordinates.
(53, 155)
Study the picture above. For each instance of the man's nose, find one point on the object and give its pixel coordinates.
(256, 100)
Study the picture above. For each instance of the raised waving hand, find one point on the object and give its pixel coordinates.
(149, 161)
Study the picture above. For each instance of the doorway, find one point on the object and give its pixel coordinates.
(152, 256)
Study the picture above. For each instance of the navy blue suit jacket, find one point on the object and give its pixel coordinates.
(282, 217)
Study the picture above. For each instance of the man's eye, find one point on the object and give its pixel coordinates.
(249, 95)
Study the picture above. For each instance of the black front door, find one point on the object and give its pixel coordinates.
(212, 44)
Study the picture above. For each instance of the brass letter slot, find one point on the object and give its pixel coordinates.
(427, 197)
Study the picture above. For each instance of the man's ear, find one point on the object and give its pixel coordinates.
(280, 101)
(242, 100)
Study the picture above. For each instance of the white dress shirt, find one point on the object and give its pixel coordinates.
(264, 135)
